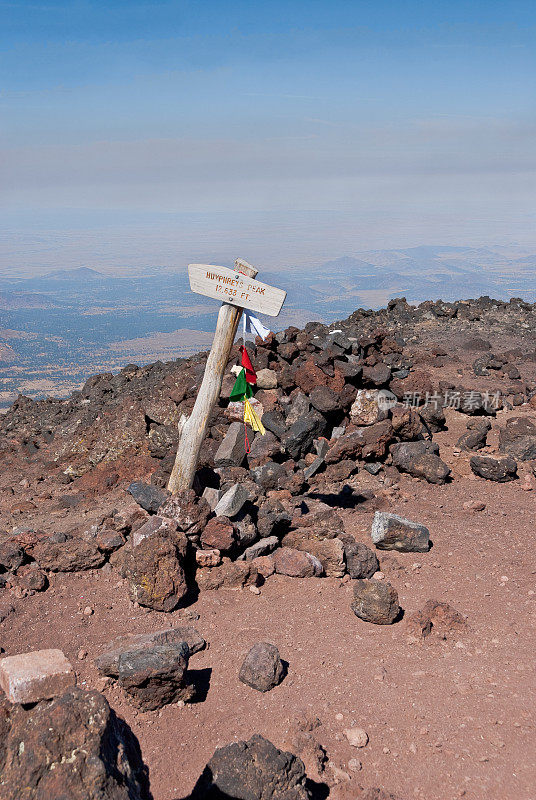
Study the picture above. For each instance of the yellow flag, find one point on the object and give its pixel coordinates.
(252, 419)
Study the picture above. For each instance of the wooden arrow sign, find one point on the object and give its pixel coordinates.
(233, 287)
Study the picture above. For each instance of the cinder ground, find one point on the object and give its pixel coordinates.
(445, 719)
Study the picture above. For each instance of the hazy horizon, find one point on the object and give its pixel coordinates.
(286, 133)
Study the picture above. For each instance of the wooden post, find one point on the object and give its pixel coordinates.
(193, 429)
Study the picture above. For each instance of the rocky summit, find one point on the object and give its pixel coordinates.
(324, 614)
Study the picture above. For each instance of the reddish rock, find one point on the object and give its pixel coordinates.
(155, 574)
(229, 575)
(219, 534)
(438, 618)
(74, 555)
(308, 376)
(294, 563)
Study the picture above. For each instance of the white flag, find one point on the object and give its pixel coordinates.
(254, 325)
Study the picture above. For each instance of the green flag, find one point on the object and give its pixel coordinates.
(241, 389)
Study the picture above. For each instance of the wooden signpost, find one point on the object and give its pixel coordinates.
(238, 289)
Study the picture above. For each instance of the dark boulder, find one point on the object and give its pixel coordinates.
(74, 747)
(252, 770)
(262, 668)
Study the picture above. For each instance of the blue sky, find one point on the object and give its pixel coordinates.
(416, 119)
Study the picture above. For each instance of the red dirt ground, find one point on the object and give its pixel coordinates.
(445, 719)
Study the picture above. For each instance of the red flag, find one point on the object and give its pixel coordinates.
(251, 375)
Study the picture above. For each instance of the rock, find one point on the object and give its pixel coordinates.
(207, 558)
(261, 548)
(229, 575)
(28, 580)
(108, 662)
(74, 555)
(264, 565)
(518, 438)
(404, 453)
(190, 512)
(375, 601)
(407, 424)
(433, 417)
(272, 519)
(232, 450)
(391, 532)
(155, 524)
(431, 468)
(420, 459)
(493, 469)
(11, 556)
(262, 668)
(438, 618)
(299, 437)
(232, 501)
(71, 747)
(154, 572)
(366, 409)
(34, 676)
(266, 379)
(274, 423)
(377, 375)
(147, 496)
(416, 388)
(269, 475)
(109, 540)
(366, 442)
(219, 534)
(295, 563)
(252, 770)
(324, 399)
(212, 496)
(155, 676)
(357, 737)
(330, 552)
(473, 439)
(263, 449)
(361, 561)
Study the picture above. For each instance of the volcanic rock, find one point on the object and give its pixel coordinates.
(232, 502)
(154, 573)
(74, 747)
(361, 561)
(493, 469)
(155, 676)
(391, 532)
(438, 618)
(229, 575)
(518, 438)
(73, 555)
(262, 668)
(252, 770)
(232, 450)
(108, 662)
(375, 601)
(295, 563)
(366, 409)
(219, 534)
(147, 496)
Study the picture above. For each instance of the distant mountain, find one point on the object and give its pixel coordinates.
(81, 273)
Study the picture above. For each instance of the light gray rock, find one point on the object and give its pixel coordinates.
(232, 501)
(261, 548)
(391, 532)
(232, 450)
(266, 379)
